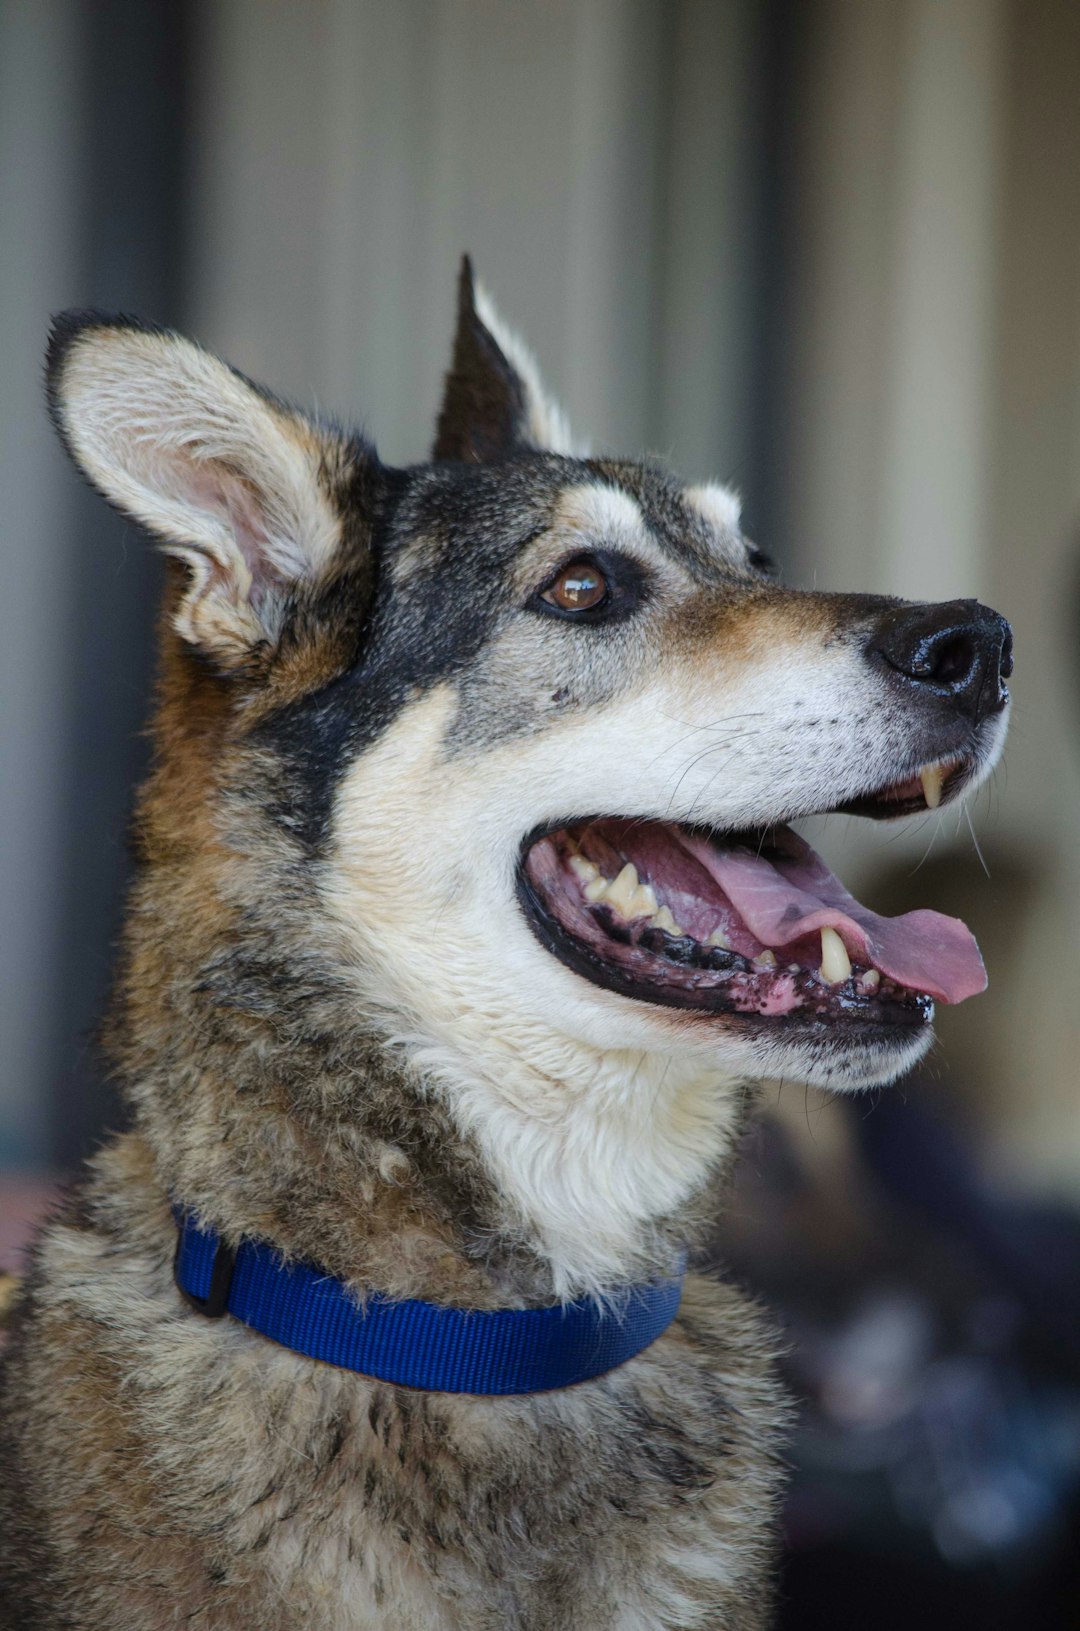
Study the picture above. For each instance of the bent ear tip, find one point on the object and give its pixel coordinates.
(75, 326)
(64, 331)
(70, 325)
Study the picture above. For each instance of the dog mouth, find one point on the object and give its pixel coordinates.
(749, 924)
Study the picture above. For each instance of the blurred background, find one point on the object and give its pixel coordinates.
(828, 250)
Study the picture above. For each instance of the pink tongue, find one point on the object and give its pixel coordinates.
(781, 900)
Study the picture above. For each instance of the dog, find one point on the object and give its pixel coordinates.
(466, 917)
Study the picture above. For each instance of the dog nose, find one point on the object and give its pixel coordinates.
(960, 650)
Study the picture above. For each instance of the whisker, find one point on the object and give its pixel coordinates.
(975, 841)
(696, 759)
(721, 742)
(926, 852)
(707, 788)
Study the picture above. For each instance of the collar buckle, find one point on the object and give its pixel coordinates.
(216, 1301)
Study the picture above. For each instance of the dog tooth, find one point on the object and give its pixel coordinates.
(621, 893)
(719, 938)
(664, 920)
(794, 968)
(596, 890)
(765, 959)
(585, 870)
(835, 962)
(870, 980)
(643, 903)
(932, 777)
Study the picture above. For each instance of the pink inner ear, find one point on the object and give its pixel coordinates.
(216, 487)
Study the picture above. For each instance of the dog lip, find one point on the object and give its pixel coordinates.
(721, 920)
(693, 968)
(777, 830)
(905, 795)
(886, 801)
(874, 1018)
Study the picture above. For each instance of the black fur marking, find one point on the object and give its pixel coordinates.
(484, 411)
(419, 637)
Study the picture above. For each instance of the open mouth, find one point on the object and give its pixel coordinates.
(748, 924)
(932, 786)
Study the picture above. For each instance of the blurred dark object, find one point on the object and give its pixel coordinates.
(1030, 1251)
(934, 1331)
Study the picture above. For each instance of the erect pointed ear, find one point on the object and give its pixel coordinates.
(237, 485)
(494, 403)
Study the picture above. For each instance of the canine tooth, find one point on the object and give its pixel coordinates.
(644, 902)
(835, 962)
(719, 938)
(932, 777)
(596, 890)
(765, 959)
(585, 870)
(794, 968)
(870, 980)
(664, 920)
(621, 893)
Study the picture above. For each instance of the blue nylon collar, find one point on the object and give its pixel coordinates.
(416, 1344)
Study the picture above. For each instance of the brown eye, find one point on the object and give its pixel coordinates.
(598, 588)
(578, 588)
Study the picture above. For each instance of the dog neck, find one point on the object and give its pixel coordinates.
(476, 1172)
(604, 1160)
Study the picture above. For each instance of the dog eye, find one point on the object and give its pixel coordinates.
(579, 587)
(604, 586)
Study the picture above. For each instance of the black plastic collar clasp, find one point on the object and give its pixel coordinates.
(216, 1301)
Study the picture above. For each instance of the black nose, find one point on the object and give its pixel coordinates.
(959, 651)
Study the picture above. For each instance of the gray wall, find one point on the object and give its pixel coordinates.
(347, 153)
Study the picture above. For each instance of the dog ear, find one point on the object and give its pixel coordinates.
(234, 483)
(494, 403)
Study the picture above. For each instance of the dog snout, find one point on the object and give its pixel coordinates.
(959, 651)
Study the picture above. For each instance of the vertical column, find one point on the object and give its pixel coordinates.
(38, 208)
(893, 264)
(708, 311)
(131, 225)
(938, 355)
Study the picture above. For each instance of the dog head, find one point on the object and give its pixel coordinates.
(524, 728)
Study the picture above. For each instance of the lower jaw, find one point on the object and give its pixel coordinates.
(840, 1060)
(842, 1018)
